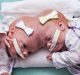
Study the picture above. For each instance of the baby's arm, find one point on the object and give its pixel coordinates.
(6, 69)
(6, 64)
(64, 59)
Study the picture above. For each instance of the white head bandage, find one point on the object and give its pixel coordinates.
(27, 30)
(52, 15)
(17, 48)
(54, 41)
(4, 29)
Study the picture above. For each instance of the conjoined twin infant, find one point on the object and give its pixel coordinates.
(50, 29)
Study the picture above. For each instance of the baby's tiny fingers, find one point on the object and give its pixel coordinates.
(7, 38)
(6, 41)
(49, 58)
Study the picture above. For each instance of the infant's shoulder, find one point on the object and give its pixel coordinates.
(71, 38)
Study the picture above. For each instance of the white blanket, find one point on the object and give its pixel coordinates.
(32, 7)
(69, 8)
(38, 59)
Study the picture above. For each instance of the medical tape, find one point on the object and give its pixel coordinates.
(54, 41)
(27, 29)
(52, 15)
(17, 48)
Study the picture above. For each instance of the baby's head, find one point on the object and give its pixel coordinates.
(55, 27)
(41, 36)
(27, 37)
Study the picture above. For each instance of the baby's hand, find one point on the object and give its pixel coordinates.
(6, 41)
(5, 73)
(2, 37)
(49, 57)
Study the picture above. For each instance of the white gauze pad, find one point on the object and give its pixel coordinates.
(52, 15)
(17, 48)
(27, 29)
(55, 39)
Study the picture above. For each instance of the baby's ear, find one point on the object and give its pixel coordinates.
(61, 25)
(11, 31)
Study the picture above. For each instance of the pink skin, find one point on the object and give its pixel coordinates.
(50, 27)
(42, 35)
(27, 44)
(5, 73)
(3, 40)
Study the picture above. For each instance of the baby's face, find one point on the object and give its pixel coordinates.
(50, 27)
(27, 44)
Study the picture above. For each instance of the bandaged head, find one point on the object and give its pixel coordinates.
(28, 32)
(43, 20)
(54, 40)
(6, 22)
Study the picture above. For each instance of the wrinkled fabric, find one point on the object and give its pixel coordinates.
(71, 57)
(6, 63)
(75, 26)
(31, 7)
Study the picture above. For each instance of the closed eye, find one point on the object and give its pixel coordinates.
(29, 52)
(24, 46)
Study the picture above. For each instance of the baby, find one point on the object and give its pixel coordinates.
(50, 29)
(18, 38)
(62, 39)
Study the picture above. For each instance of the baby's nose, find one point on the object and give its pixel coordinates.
(49, 45)
(25, 53)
